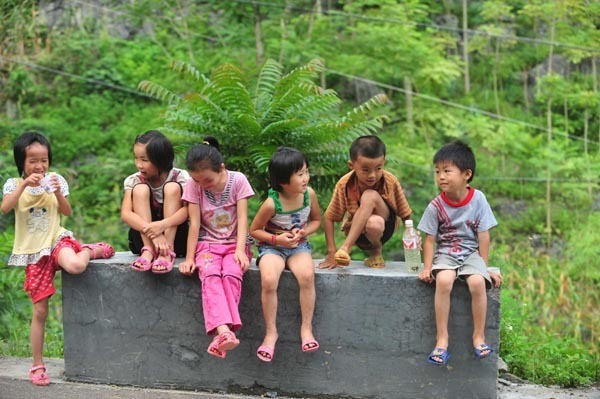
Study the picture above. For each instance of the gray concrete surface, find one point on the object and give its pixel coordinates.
(14, 384)
(375, 326)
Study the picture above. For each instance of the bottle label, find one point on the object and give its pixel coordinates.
(410, 243)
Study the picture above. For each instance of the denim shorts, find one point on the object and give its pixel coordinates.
(284, 252)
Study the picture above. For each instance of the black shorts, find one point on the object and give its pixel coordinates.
(180, 244)
(156, 210)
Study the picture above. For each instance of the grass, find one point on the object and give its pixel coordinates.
(15, 317)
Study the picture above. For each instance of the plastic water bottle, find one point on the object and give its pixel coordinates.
(412, 253)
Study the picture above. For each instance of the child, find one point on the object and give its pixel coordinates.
(41, 244)
(458, 220)
(152, 205)
(373, 199)
(217, 240)
(289, 215)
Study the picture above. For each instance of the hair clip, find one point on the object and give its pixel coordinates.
(206, 142)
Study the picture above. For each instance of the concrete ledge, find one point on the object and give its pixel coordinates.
(375, 327)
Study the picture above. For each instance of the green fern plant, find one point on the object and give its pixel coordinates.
(251, 117)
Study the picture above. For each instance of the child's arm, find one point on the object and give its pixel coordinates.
(425, 274)
(10, 200)
(128, 216)
(189, 264)
(242, 231)
(156, 228)
(63, 203)
(328, 229)
(264, 214)
(484, 251)
(314, 217)
(484, 245)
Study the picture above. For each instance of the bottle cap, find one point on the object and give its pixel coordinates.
(408, 223)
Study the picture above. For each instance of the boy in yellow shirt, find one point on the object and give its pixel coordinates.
(372, 200)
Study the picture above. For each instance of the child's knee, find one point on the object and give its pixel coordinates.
(369, 197)
(306, 279)
(40, 311)
(172, 190)
(476, 284)
(444, 281)
(269, 282)
(140, 190)
(74, 265)
(375, 226)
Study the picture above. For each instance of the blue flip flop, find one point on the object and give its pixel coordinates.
(442, 354)
(477, 351)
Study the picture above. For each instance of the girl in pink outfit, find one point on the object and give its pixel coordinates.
(217, 240)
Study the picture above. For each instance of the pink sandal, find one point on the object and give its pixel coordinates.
(107, 250)
(227, 341)
(142, 264)
(163, 266)
(213, 348)
(40, 379)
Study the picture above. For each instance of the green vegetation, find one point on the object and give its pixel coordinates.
(521, 88)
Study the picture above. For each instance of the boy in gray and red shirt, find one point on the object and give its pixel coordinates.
(458, 222)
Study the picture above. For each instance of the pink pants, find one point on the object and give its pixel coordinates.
(221, 279)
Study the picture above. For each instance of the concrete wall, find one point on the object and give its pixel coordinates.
(375, 326)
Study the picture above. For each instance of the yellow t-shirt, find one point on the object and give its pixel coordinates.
(37, 224)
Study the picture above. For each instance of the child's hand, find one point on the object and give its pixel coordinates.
(33, 179)
(496, 279)
(241, 259)
(299, 234)
(154, 229)
(329, 262)
(161, 245)
(426, 276)
(287, 239)
(187, 267)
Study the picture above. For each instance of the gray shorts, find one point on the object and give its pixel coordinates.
(473, 265)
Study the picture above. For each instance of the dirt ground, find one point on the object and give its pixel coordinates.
(511, 388)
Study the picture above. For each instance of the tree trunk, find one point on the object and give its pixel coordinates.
(549, 126)
(409, 106)
(317, 11)
(566, 118)
(258, 34)
(526, 90)
(586, 124)
(286, 14)
(495, 77)
(465, 26)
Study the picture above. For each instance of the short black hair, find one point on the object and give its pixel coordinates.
(20, 148)
(459, 153)
(159, 149)
(285, 162)
(368, 147)
(204, 156)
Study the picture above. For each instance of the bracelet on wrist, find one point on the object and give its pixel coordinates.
(273, 239)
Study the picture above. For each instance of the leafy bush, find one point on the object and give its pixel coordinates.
(534, 353)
